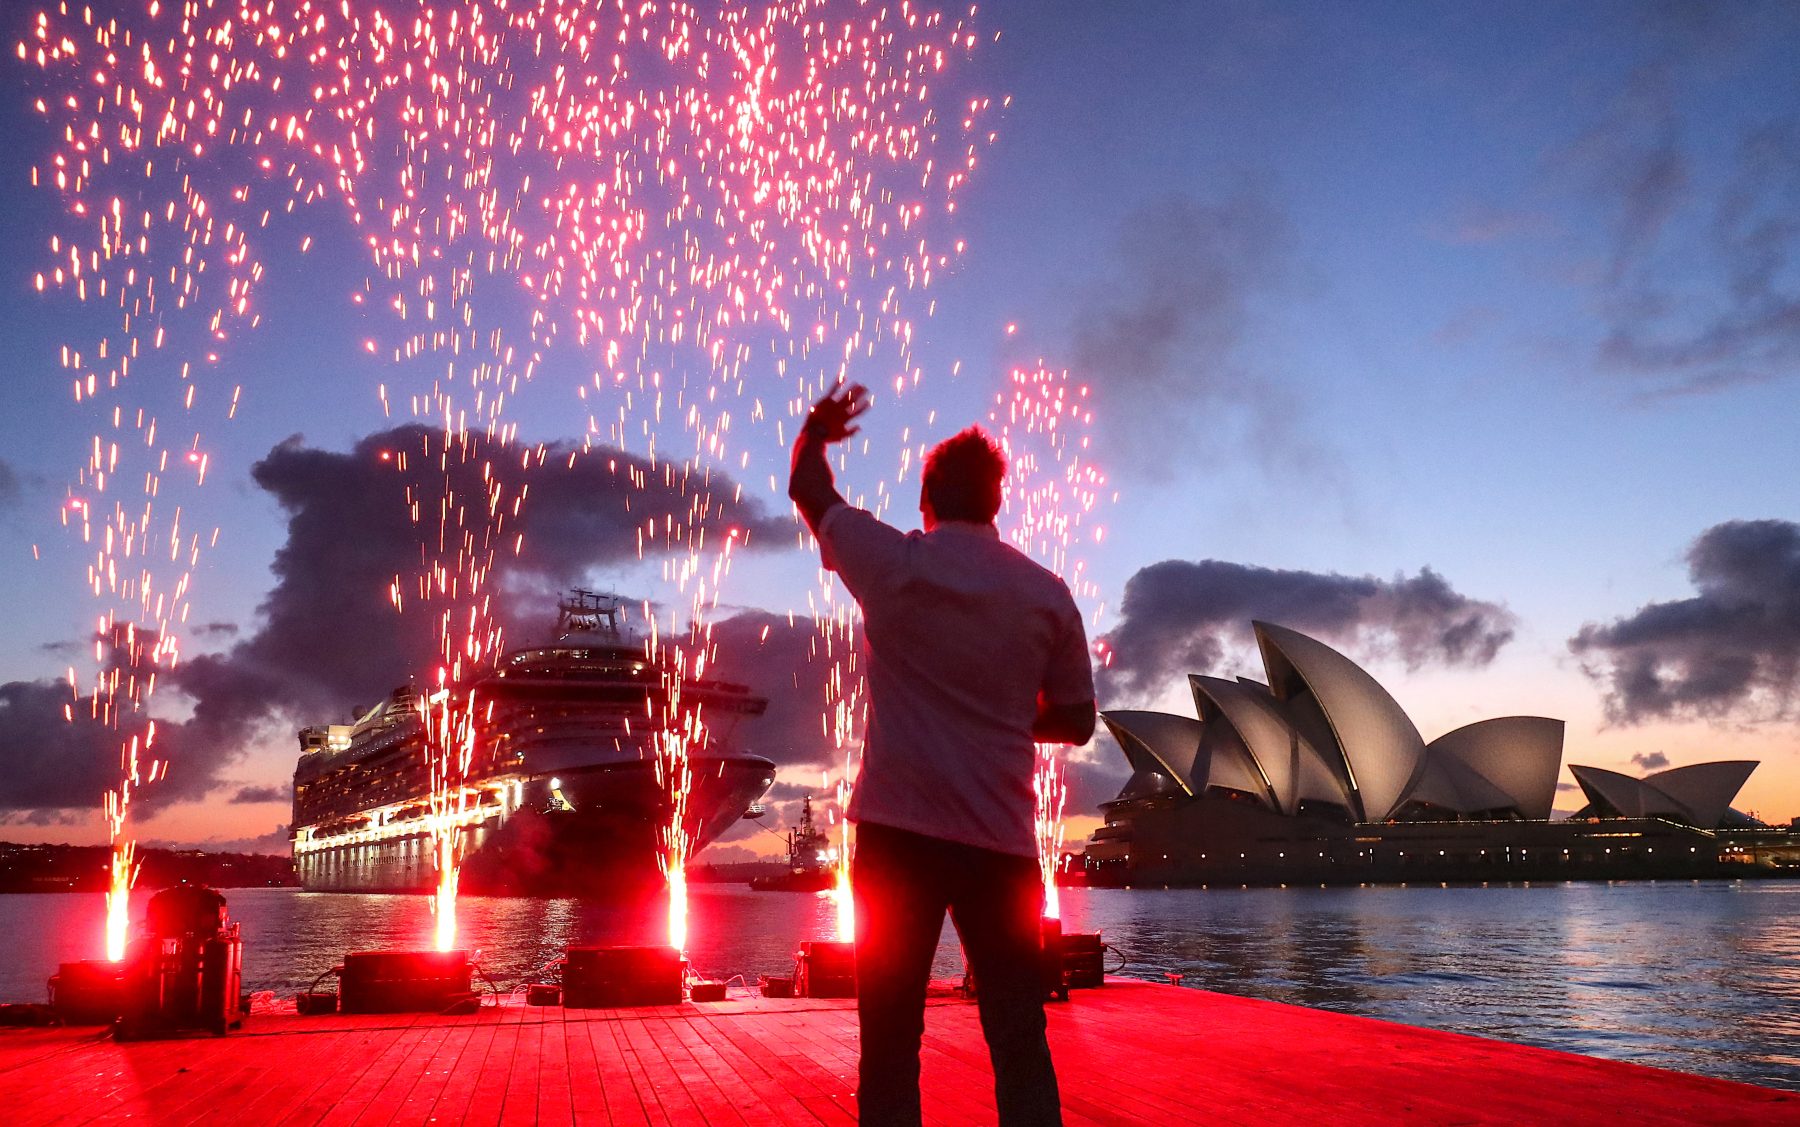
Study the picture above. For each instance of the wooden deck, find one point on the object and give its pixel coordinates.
(1131, 1052)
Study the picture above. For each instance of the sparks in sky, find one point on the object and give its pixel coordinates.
(668, 188)
(1051, 508)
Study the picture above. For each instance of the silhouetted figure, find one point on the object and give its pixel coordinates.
(974, 653)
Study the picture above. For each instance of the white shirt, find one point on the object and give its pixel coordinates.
(962, 632)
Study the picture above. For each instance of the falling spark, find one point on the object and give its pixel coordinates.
(659, 187)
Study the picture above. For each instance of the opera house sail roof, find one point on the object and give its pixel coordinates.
(1699, 794)
(1323, 736)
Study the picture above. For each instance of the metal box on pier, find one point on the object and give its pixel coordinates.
(604, 977)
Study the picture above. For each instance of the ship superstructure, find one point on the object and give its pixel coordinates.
(563, 795)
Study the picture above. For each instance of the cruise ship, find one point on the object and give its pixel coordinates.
(563, 797)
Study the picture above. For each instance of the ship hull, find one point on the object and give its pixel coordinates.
(593, 830)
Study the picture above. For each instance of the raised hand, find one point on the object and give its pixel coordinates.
(830, 418)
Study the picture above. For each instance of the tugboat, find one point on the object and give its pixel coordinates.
(811, 860)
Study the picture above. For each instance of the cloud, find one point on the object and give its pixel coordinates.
(56, 755)
(10, 490)
(48, 760)
(275, 841)
(1699, 289)
(785, 661)
(1179, 617)
(1169, 326)
(329, 639)
(718, 854)
(283, 792)
(1650, 760)
(1733, 648)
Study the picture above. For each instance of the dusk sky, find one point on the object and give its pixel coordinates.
(1462, 337)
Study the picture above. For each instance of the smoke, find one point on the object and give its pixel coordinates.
(1699, 291)
(1650, 760)
(57, 756)
(254, 793)
(783, 659)
(1169, 328)
(1733, 648)
(48, 762)
(1179, 617)
(9, 485)
(328, 638)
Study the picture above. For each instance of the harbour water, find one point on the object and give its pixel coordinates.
(1698, 976)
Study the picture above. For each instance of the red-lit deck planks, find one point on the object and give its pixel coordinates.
(1131, 1052)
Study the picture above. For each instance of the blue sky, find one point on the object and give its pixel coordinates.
(1504, 291)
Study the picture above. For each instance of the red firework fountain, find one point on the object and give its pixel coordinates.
(674, 775)
(680, 729)
(1052, 793)
(846, 904)
(456, 572)
(450, 741)
(122, 868)
(122, 874)
(125, 685)
(1051, 490)
(845, 691)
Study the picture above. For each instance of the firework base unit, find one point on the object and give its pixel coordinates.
(564, 795)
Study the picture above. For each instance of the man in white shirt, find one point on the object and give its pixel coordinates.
(975, 653)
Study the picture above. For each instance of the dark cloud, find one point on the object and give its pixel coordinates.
(216, 630)
(1699, 289)
(57, 755)
(350, 534)
(1733, 648)
(784, 660)
(49, 760)
(1179, 617)
(250, 794)
(1650, 760)
(1169, 326)
(9, 485)
(329, 638)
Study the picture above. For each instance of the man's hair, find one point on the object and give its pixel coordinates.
(963, 475)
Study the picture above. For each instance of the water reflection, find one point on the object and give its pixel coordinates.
(1689, 975)
(1698, 976)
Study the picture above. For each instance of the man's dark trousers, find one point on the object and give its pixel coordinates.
(904, 882)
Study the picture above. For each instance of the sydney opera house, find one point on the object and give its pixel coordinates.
(1317, 775)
